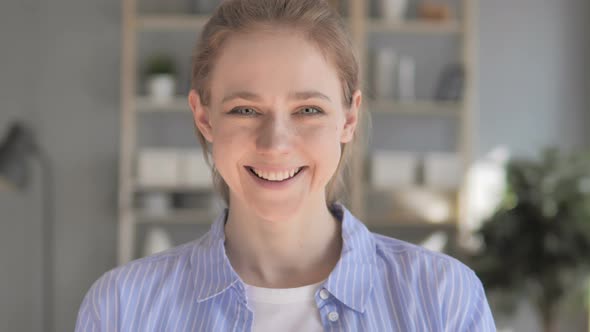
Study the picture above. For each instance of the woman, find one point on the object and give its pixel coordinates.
(275, 97)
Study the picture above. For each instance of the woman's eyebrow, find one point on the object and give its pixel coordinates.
(300, 95)
(241, 95)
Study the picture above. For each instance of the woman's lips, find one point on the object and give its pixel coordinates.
(277, 179)
(277, 175)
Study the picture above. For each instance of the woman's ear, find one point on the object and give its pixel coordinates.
(351, 117)
(200, 115)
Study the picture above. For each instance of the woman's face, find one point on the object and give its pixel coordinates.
(276, 121)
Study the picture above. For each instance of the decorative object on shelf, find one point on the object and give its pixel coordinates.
(156, 204)
(451, 83)
(406, 79)
(393, 169)
(157, 240)
(393, 10)
(160, 72)
(157, 167)
(16, 149)
(537, 242)
(384, 67)
(193, 170)
(423, 205)
(442, 171)
(167, 167)
(434, 11)
(204, 6)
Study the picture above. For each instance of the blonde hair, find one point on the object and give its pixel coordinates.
(318, 22)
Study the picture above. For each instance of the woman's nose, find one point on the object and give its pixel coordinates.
(275, 136)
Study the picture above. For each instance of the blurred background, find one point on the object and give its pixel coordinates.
(478, 145)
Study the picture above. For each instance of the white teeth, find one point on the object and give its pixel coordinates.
(276, 176)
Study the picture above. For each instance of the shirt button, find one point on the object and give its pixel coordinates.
(324, 295)
(333, 316)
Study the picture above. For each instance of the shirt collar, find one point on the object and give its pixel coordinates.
(351, 280)
(213, 271)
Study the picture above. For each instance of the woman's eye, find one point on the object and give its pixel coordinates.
(310, 110)
(243, 111)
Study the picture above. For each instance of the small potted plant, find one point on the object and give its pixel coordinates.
(160, 73)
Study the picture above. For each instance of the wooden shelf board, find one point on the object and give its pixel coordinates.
(414, 26)
(419, 107)
(176, 105)
(170, 21)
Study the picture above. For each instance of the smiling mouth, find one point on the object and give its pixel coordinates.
(275, 176)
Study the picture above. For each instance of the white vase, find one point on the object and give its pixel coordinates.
(406, 84)
(161, 88)
(384, 73)
(393, 10)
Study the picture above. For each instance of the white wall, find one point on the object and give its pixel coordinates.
(534, 74)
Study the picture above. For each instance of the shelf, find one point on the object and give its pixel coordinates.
(419, 107)
(178, 217)
(171, 22)
(414, 26)
(137, 26)
(176, 105)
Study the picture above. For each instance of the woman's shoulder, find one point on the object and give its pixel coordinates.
(139, 283)
(435, 283)
(160, 266)
(416, 258)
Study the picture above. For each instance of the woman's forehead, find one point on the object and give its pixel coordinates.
(267, 62)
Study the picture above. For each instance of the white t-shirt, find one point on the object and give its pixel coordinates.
(284, 309)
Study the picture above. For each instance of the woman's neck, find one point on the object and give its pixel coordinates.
(283, 253)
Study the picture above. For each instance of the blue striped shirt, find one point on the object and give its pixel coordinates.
(379, 284)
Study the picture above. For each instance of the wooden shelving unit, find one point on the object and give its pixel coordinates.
(419, 107)
(178, 104)
(362, 27)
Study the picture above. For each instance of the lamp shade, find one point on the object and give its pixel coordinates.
(14, 150)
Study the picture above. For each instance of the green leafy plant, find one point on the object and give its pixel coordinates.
(537, 243)
(160, 64)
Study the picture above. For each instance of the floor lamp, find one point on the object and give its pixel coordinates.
(16, 149)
